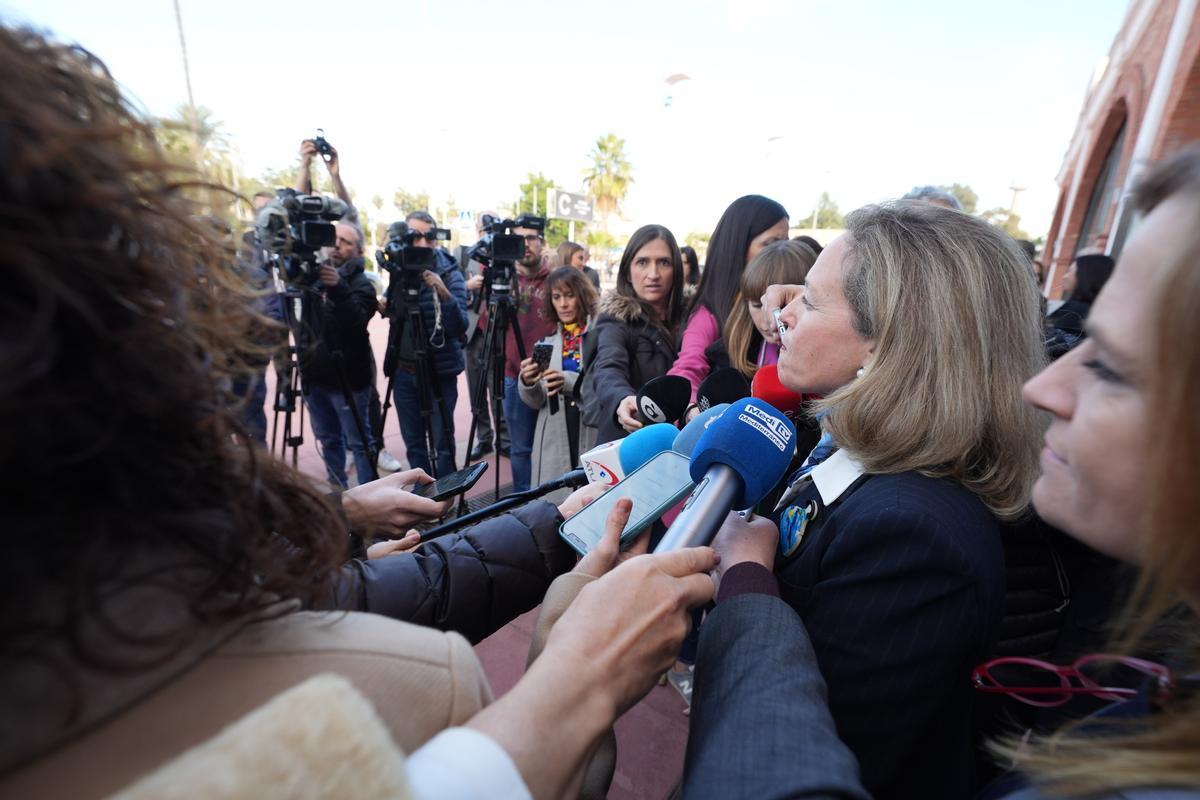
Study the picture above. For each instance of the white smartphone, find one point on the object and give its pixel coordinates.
(654, 487)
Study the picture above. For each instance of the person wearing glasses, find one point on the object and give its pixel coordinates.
(443, 301)
(1118, 471)
(530, 299)
(918, 328)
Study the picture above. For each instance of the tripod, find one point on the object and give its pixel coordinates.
(287, 387)
(407, 312)
(501, 314)
(313, 310)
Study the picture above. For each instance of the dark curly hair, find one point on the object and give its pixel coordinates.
(122, 319)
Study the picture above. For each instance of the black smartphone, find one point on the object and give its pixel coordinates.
(542, 352)
(453, 484)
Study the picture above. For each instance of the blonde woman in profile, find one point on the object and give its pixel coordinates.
(1119, 471)
(918, 327)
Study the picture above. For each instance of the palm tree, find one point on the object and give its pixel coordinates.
(610, 175)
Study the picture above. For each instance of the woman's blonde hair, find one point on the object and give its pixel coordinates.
(782, 262)
(952, 307)
(1162, 749)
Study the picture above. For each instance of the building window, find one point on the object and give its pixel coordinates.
(1104, 194)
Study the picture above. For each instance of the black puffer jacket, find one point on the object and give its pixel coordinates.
(630, 349)
(472, 583)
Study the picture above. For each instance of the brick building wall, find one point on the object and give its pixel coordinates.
(1113, 124)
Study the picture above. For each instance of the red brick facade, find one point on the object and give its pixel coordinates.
(1119, 103)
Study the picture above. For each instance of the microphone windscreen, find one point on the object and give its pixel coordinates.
(766, 386)
(664, 399)
(753, 438)
(685, 441)
(725, 385)
(643, 444)
(603, 463)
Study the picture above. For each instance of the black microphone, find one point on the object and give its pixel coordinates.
(725, 385)
(664, 399)
(568, 480)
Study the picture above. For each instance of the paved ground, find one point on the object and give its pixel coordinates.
(650, 737)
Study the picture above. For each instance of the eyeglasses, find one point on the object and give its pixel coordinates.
(532, 237)
(1040, 683)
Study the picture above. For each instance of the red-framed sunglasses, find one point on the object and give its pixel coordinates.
(1040, 683)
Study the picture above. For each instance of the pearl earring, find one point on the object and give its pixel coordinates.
(860, 372)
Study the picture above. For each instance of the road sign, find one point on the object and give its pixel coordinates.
(564, 205)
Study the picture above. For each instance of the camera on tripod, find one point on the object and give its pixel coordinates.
(498, 243)
(404, 260)
(294, 227)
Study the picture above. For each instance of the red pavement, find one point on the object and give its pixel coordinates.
(651, 737)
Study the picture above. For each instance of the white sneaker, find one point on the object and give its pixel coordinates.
(388, 462)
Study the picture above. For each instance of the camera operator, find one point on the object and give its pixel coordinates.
(335, 318)
(443, 302)
(529, 300)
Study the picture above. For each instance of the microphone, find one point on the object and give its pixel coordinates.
(725, 385)
(766, 386)
(664, 399)
(645, 443)
(685, 441)
(602, 464)
(739, 458)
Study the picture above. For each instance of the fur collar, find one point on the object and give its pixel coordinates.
(622, 308)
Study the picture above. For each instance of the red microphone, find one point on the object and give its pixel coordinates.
(766, 386)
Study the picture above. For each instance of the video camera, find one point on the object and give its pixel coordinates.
(499, 243)
(294, 227)
(400, 257)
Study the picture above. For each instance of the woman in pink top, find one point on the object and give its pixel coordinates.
(747, 226)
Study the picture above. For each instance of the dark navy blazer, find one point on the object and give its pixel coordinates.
(900, 582)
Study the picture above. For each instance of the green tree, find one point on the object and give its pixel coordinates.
(610, 176)
(1006, 221)
(698, 241)
(825, 216)
(408, 202)
(965, 195)
(556, 229)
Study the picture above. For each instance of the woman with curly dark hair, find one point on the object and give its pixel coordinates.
(156, 568)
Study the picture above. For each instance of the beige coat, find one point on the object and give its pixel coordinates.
(420, 681)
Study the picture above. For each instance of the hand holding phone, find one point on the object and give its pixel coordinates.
(654, 487)
(453, 484)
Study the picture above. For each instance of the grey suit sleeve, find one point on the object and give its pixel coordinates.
(760, 725)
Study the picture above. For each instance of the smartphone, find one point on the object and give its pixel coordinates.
(452, 484)
(542, 352)
(655, 486)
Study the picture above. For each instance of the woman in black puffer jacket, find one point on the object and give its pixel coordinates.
(636, 336)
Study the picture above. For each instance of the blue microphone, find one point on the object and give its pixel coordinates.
(739, 458)
(643, 444)
(687, 439)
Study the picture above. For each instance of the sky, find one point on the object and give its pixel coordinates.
(862, 99)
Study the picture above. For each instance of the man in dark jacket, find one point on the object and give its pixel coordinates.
(443, 303)
(334, 347)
